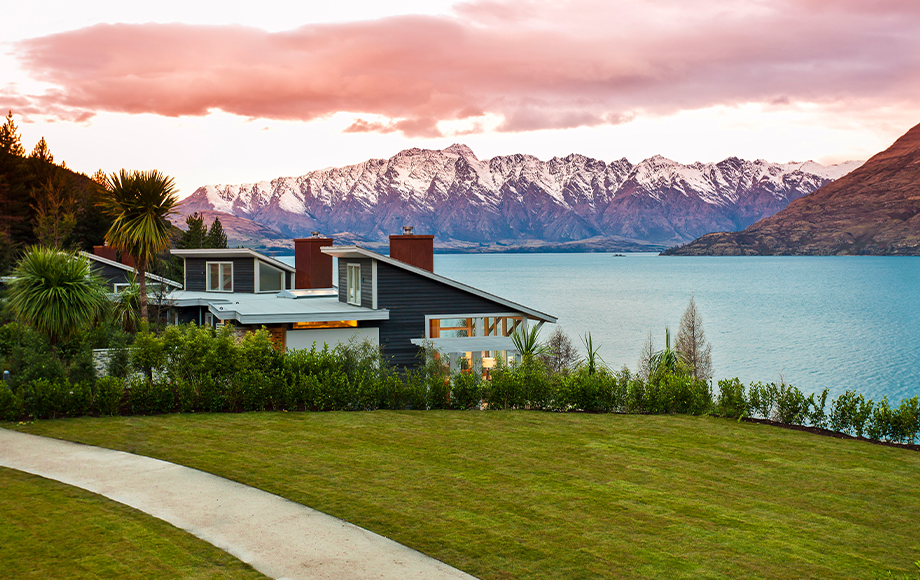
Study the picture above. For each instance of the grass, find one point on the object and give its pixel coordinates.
(537, 495)
(52, 530)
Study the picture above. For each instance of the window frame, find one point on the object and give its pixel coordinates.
(258, 277)
(353, 284)
(220, 271)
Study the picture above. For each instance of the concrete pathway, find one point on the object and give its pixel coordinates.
(279, 538)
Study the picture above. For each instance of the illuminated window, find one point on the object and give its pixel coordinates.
(326, 324)
(354, 284)
(220, 276)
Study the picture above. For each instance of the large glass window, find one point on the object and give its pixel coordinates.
(220, 277)
(354, 284)
(270, 279)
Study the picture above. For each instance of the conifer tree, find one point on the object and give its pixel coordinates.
(194, 236)
(216, 237)
(9, 137)
(55, 211)
(692, 346)
(42, 152)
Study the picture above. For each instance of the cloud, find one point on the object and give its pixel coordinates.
(535, 64)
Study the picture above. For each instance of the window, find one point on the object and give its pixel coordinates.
(354, 284)
(270, 279)
(220, 276)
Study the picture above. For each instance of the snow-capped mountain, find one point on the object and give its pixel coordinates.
(458, 197)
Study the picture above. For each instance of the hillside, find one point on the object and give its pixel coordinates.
(873, 210)
(519, 200)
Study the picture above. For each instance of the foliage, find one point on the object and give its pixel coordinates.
(560, 355)
(55, 211)
(527, 342)
(140, 203)
(665, 360)
(692, 347)
(56, 292)
(9, 137)
(216, 237)
(591, 357)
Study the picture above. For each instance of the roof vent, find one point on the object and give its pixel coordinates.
(407, 230)
(314, 234)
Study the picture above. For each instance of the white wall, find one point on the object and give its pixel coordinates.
(298, 339)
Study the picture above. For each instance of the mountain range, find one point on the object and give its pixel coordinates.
(873, 210)
(513, 201)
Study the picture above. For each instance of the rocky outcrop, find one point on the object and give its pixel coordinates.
(873, 210)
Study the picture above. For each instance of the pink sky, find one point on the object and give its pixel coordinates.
(234, 95)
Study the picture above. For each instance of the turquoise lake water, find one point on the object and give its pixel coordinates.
(820, 322)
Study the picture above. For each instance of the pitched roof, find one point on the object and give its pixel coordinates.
(359, 252)
(127, 268)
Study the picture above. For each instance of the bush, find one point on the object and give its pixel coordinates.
(150, 396)
(11, 408)
(791, 406)
(467, 391)
(731, 401)
(817, 416)
(108, 393)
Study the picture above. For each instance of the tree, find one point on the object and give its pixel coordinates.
(560, 355)
(56, 292)
(216, 237)
(42, 152)
(193, 237)
(140, 203)
(55, 211)
(692, 347)
(9, 137)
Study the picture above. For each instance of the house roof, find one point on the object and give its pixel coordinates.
(277, 308)
(223, 253)
(127, 268)
(359, 252)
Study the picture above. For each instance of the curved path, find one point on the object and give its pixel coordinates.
(277, 537)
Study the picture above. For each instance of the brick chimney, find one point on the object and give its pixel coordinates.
(128, 260)
(107, 252)
(313, 267)
(414, 250)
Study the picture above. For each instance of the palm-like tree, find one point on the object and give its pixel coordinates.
(56, 292)
(140, 203)
(666, 359)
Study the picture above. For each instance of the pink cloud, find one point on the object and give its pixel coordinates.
(536, 64)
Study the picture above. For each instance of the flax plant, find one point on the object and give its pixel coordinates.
(56, 292)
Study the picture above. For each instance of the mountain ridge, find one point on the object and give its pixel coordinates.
(874, 210)
(461, 199)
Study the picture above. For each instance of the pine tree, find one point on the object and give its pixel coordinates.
(9, 137)
(194, 236)
(216, 237)
(692, 346)
(42, 152)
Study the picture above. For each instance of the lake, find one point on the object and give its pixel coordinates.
(839, 323)
(820, 322)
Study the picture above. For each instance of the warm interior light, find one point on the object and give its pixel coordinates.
(326, 324)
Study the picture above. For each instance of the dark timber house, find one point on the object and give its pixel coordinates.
(396, 301)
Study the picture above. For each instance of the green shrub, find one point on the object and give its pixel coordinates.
(44, 398)
(147, 354)
(731, 401)
(108, 393)
(415, 395)
(791, 406)
(467, 391)
(11, 408)
(849, 413)
(817, 417)
(249, 391)
(150, 396)
(907, 420)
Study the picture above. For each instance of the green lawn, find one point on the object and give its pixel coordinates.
(52, 530)
(540, 495)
